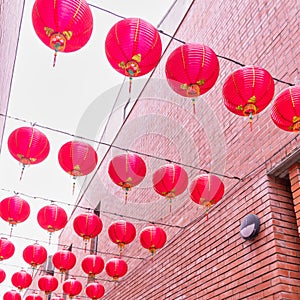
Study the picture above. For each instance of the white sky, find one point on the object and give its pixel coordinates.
(57, 98)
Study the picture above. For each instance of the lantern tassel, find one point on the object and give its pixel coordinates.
(50, 235)
(250, 120)
(11, 229)
(206, 212)
(130, 86)
(22, 172)
(54, 59)
(73, 186)
(170, 205)
(126, 195)
(194, 105)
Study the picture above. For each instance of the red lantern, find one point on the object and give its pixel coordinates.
(87, 225)
(14, 210)
(7, 249)
(77, 158)
(12, 295)
(52, 218)
(62, 25)
(64, 260)
(127, 170)
(34, 296)
(248, 91)
(206, 190)
(94, 290)
(170, 181)
(121, 233)
(72, 287)
(21, 280)
(2, 275)
(28, 145)
(35, 255)
(116, 268)
(285, 111)
(192, 70)
(133, 47)
(153, 238)
(92, 265)
(48, 284)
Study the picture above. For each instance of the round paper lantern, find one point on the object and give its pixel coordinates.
(34, 296)
(7, 249)
(133, 47)
(92, 265)
(47, 284)
(35, 255)
(121, 233)
(28, 145)
(2, 275)
(285, 112)
(64, 260)
(94, 290)
(170, 181)
(153, 238)
(116, 268)
(12, 295)
(72, 287)
(14, 210)
(62, 25)
(77, 158)
(127, 170)
(248, 91)
(87, 225)
(192, 70)
(206, 190)
(21, 280)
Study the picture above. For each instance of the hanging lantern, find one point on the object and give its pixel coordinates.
(7, 249)
(35, 255)
(192, 70)
(34, 296)
(248, 91)
(72, 287)
(206, 190)
(92, 265)
(170, 181)
(52, 218)
(14, 210)
(94, 290)
(2, 275)
(153, 238)
(47, 284)
(88, 226)
(285, 112)
(21, 280)
(77, 159)
(116, 268)
(121, 233)
(127, 170)
(28, 145)
(64, 260)
(62, 25)
(12, 295)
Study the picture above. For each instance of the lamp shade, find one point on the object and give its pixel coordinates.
(21, 280)
(2, 275)
(94, 290)
(72, 287)
(35, 255)
(12, 295)
(64, 260)
(48, 284)
(34, 296)
(92, 265)
(7, 249)
(116, 268)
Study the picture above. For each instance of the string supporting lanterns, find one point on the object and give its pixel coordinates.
(14, 210)
(34, 296)
(52, 218)
(62, 25)
(92, 265)
(35, 255)
(127, 170)
(28, 146)
(121, 233)
(116, 268)
(21, 280)
(170, 181)
(133, 47)
(72, 287)
(153, 238)
(77, 159)
(192, 70)
(12, 295)
(248, 91)
(94, 290)
(7, 249)
(206, 190)
(47, 284)
(285, 111)
(2, 275)
(64, 260)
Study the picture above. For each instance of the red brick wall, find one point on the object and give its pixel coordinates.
(294, 173)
